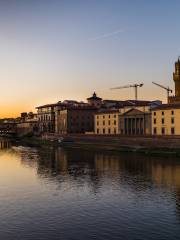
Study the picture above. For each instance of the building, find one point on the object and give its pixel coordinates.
(94, 100)
(76, 119)
(107, 122)
(176, 78)
(166, 119)
(50, 119)
(46, 118)
(63, 106)
(131, 117)
(27, 124)
(135, 122)
(135, 117)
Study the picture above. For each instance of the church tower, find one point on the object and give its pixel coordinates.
(176, 78)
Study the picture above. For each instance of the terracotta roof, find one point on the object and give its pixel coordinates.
(108, 111)
(167, 106)
(81, 108)
(47, 105)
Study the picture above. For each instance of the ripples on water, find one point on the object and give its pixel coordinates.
(75, 194)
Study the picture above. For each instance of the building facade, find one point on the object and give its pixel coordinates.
(46, 118)
(131, 118)
(166, 120)
(76, 120)
(107, 122)
(95, 101)
(135, 122)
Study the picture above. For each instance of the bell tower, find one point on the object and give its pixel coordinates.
(176, 78)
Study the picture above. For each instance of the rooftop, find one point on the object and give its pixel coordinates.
(94, 97)
(168, 106)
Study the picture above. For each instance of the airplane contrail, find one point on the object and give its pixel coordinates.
(106, 35)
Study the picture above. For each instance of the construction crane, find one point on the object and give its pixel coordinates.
(166, 88)
(135, 86)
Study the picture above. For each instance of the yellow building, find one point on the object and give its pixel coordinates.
(132, 118)
(166, 120)
(107, 122)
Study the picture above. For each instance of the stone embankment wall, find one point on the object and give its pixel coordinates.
(123, 142)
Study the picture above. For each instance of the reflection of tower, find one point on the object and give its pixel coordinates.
(176, 78)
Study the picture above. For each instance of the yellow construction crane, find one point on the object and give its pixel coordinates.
(135, 86)
(166, 88)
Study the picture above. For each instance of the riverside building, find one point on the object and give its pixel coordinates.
(46, 118)
(132, 117)
(107, 122)
(50, 116)
(76, 120)
(166, 119)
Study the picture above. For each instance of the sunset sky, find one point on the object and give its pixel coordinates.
(52, 50)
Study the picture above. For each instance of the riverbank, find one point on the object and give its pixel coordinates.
(147, 145)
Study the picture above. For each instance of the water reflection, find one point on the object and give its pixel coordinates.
(139, 171)
(102, 194)
(5, 144)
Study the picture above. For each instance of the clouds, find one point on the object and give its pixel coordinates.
(106, 35)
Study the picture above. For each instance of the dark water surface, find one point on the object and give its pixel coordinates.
(75, 194)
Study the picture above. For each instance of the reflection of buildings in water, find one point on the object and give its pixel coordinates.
(178, 202)
(61, 161)
(107, 163)
(168, 174)
(74, 166)
(129, 164)
(29, 156)
(4, 144)
(78, 168)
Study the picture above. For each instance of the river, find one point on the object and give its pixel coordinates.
(55, 193)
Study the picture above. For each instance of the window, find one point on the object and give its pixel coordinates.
(163, 131)
(103, 122)
(97, 123)
(109, 131)
(109, 116)
(155, 130)
(172, 120)
(163, 121)
(172, 131)
(163, 113)
(103, 116)
(114, 130)
(109, 122)
(114, 116)
(154, 113)
(97, 130)
(97, 117)
(172, 112)
(114, 122)
(154, 120)
(103, 130)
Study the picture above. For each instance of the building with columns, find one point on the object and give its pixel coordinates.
(132, 117)
(135, 122)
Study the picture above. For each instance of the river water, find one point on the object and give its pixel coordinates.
(56, 193)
